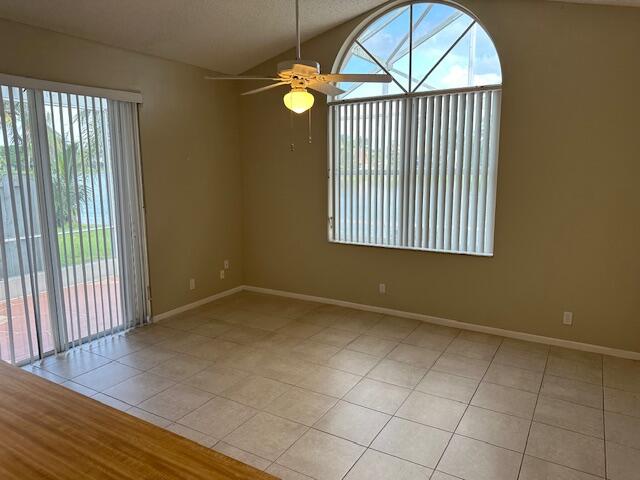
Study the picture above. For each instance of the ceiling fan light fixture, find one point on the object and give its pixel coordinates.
(298, 100)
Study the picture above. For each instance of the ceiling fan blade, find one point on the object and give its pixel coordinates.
(325, 88)
(355, 77)
(268, 87)
(240, 77)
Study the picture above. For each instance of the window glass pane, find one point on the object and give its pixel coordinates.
(453, 71)
(436, 28)
(485, 62)
(389, 36)
(432, 45)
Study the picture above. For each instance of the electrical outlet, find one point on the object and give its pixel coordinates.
(226, 264)
(221, 274)
(192, 284)
(567, 318)
(382, 288)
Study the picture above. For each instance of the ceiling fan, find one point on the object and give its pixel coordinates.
(301, 75)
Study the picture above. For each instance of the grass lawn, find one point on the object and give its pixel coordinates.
(93, 243)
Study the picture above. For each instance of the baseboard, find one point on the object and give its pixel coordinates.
(530, 337)
(203, 301)
(587, 347)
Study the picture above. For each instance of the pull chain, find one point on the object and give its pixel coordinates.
(309, 132)
(292, 147)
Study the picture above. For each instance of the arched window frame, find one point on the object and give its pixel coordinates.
(452, 226)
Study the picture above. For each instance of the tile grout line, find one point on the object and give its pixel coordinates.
(435, 469)
(392, 416)
(526, 443)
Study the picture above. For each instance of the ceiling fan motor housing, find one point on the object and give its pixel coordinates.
(298, 68)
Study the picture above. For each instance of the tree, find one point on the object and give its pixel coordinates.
(76, 148)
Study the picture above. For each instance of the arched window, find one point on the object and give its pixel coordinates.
(413, 163)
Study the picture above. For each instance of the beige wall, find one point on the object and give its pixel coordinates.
(191, 167)
(568, 208)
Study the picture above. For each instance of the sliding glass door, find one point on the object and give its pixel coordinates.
(73, 253)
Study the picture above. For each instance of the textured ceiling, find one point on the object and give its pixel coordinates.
(227, 36)
(620, 3)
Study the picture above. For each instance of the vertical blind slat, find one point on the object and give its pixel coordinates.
(342, 170)
(450, 160)
(441, 172)
(475, 162)
(457, 169)
(433, 172)
(410, 170)
(350, 174)
(492, 171)
(466, 172)
(426, 172)
(387, 169)
(375, 186)
(482, 178)
(356, 170)
(368, 173)
(397, 174)
(419, 175)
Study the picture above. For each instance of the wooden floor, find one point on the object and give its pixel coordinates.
(50, 432)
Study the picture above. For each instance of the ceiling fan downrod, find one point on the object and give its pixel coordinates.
(298, 57)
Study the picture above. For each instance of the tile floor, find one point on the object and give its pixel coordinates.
(303, 391)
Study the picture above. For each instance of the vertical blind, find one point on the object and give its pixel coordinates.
(72, 243)
(415, 172)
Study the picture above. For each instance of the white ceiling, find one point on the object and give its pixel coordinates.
(227, 36)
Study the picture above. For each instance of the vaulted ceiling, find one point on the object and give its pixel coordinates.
(227, 36)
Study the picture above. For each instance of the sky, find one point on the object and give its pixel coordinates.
(473, 61)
